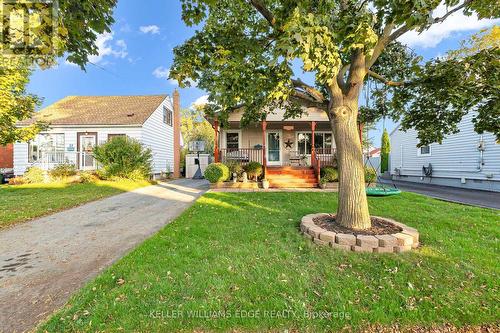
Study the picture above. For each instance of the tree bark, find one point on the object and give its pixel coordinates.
(352, 204)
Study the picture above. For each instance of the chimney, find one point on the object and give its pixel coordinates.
(177, 134)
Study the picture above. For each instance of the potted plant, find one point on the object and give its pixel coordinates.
(322, 183)
(265, 184)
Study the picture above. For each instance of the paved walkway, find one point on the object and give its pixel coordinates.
(44, 261)
(478, 198)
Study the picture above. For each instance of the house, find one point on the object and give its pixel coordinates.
(78, 123)
(6, 157)
(465, 159)
(292, 151)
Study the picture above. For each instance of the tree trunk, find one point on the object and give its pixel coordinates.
(352, 205)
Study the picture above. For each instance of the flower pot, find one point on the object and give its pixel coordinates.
(265, 184)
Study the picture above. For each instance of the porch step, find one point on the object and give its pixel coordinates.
(291, 177)
(292, 185)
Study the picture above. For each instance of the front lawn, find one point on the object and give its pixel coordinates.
(236, 262)
(23, 202)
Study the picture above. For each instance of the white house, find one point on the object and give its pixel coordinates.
(78, 123)
(465, 159)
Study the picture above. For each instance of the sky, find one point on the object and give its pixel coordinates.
(134, 59)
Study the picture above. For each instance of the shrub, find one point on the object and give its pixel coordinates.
(17, 181)
(124, 157)
(253, 170)
(88, 177)
(63, 171)
(330, 174)
(234, 167)
(384, 152)
(34, 175)
(370, 175)
(217, 172)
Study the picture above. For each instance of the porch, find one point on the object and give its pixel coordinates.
(83, 161)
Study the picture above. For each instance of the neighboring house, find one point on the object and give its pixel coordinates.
(78, 123)
(465, 159)
(305, 143)
(6, 157)
(374, 152)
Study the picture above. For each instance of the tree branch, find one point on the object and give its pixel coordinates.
(384, 80)
(264, 11)
(405, 28)
(381, 44)
(318, 96)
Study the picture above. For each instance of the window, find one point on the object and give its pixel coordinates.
(167, 116)
(322, 140)
(112, 136)
(424, 151)
(233, 140)
(46, 146)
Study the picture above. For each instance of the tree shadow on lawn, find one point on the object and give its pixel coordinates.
(235, 252)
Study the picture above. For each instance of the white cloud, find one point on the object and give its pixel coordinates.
(106, 48)
(200, 102)
(150, 29)
(163, 73)
(457, 22)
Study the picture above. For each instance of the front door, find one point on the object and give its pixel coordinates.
(273, 146)
(87, 144)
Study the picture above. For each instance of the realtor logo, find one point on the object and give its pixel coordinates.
(28, 27)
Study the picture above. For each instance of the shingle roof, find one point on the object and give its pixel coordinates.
(99, 110)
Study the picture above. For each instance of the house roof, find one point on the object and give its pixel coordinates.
(99, 110)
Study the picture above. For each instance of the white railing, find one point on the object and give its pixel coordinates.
(49, 160)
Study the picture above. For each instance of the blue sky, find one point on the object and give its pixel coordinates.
(134, 59)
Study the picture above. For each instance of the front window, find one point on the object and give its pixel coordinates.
(233, 140)
(321, 141)
(48, 147)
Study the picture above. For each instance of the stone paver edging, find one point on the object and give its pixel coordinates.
(402, 241)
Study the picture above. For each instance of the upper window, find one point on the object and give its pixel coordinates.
(321, 141)
(46, 146)
(167, 116)
(233, 140)
(424, 151)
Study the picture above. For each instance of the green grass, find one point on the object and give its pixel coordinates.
(235, 255)
(24, 202)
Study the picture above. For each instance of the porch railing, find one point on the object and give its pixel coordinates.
(242, 155)
(327, 156)
(49, 160)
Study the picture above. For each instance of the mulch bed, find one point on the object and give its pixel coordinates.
(379, 226)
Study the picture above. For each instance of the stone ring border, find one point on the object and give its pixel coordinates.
(403, 241)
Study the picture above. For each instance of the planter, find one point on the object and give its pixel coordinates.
(265, 184)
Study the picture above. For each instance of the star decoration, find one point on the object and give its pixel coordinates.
(288, 144)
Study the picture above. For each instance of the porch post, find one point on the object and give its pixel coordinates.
(264, 159)
(216, 139)
(313, 149)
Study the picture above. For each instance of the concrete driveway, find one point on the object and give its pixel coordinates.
(43, 262)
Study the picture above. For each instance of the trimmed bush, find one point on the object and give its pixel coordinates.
(88, 177)
(370, 175)
(124, 157)
(216, 173)
(234, 167)
(63, 171)
(17, 181)
(34, 175)
(253, 170)
(330, 174)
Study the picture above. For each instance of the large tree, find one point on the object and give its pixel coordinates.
(54, 29)
(244, 53)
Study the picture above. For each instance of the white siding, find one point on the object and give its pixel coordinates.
(160, 138)
(70, 139)
(457, 157)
